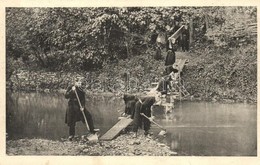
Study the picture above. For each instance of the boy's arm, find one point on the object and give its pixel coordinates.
(68, 92)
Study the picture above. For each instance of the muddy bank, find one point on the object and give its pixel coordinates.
(123, 145)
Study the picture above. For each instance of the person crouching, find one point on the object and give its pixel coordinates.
(143, 106)
(130, 101)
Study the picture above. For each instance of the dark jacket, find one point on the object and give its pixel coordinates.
(158, 54)
(128, 97)
(163, 86)
(130, 101)
(73, 113)
(185, 40)
(169, 69)
(185, 35)
(170, 58)
(143, 106)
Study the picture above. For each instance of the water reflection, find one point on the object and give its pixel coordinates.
(210, 129)
(41, 115)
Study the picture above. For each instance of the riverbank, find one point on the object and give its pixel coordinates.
(123, 145)
(190, 98)
(204, 80)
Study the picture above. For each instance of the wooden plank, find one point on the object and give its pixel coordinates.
(115, 130)
(178, 32)
(181, 64)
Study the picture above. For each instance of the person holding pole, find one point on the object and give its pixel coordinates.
(143, 106)
(76, 110)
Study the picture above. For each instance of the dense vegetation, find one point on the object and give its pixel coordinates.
(108, 42)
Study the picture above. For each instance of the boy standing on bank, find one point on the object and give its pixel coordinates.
(74, 110)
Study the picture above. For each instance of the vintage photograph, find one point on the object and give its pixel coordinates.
(131, 81)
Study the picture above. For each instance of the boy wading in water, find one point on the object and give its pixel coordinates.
(74, 111)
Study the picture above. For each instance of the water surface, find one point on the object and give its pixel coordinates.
(38, 115)
(209, 129)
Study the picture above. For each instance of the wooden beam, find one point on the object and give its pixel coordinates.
(115, 130)
(177, 33)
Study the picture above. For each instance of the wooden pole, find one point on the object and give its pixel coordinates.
(191, 30)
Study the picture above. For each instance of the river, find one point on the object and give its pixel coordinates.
(193, 128)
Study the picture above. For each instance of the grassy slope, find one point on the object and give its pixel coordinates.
(222, 75)
(211, 75)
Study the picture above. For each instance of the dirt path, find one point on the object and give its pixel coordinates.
(182, 55)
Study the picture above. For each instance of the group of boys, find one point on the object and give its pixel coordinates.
(135, 107)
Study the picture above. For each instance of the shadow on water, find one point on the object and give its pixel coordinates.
(193, 128)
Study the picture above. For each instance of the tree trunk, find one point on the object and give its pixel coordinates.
(191, 31)
(206, 22)
(127, 50)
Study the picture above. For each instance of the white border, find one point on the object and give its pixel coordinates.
(115, 160)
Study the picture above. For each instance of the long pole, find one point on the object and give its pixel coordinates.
(86, 122)
(153, 121)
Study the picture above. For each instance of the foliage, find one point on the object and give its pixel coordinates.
(115, 41)
(82, 38)
(232, 27)
(224, 54)
(220, 75)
